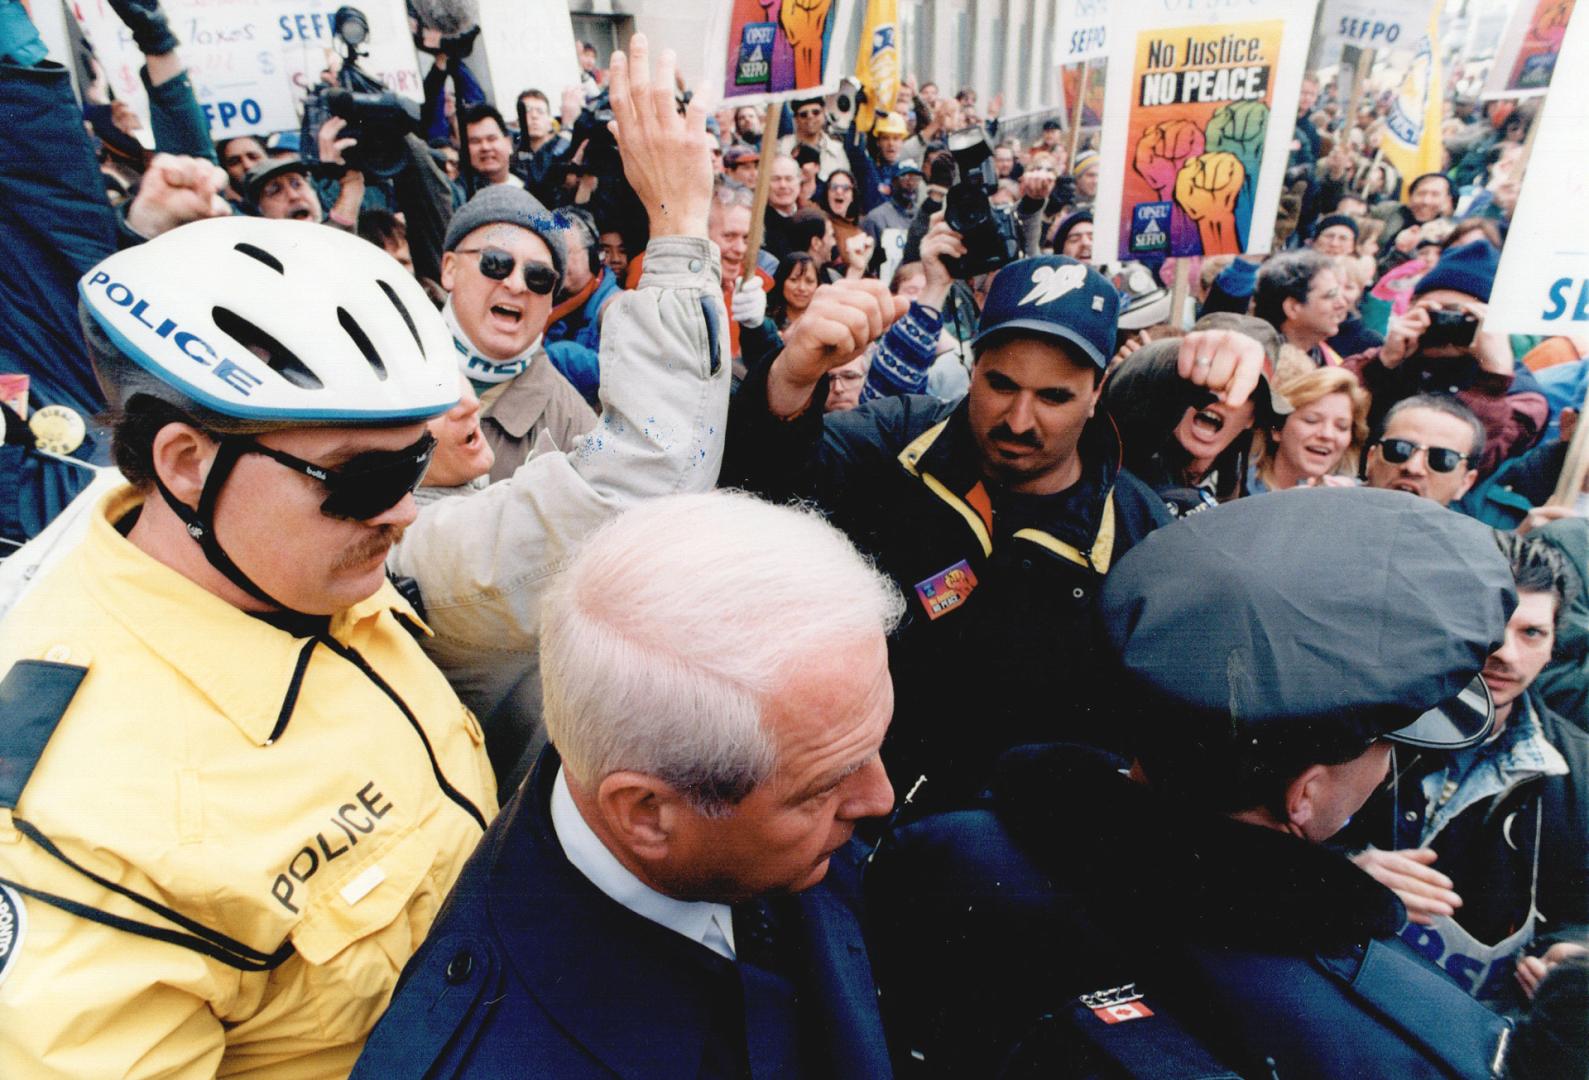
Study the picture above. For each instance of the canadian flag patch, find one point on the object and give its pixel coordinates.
(1119, 1014)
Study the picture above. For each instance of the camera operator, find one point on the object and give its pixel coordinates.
(1437, 346)
(282, 188)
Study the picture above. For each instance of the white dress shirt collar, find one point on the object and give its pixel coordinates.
(702, 921)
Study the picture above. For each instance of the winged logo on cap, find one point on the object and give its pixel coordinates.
(1049, 283)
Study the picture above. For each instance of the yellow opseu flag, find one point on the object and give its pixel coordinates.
(877, 63)
(1411, 140)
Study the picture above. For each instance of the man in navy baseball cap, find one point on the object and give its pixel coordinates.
(997, 515)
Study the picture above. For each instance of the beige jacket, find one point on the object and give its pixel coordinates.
(538, 400)
(482, 563)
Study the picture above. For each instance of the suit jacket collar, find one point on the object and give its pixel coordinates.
(639, 997)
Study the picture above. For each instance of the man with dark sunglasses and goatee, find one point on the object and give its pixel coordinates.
(234, 790)
(504, 258)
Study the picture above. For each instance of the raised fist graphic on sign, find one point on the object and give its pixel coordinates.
(1207, 188)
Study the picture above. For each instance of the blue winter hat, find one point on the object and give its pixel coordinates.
(1346, 221)
(1467, 269)
(1054, 297)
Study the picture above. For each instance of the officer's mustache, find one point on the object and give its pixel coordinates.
(382, 540)
(1002, 433)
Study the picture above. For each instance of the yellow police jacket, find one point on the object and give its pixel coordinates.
(232, 839)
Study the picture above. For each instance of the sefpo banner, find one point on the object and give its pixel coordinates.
(765, 51)
(1083, 31)
(1373, 24)
(1543, 283)
(251, 61)
(1191, 162)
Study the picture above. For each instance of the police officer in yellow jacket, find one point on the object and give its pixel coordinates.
(233, 790)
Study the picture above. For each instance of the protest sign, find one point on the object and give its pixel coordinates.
(1543, 283)
(1372, 24)
(309, 47)
(1529, 48)
(1091, 101)
(231, 49)
(251, 61)
(528, 45)
(1191, 164)
(1083, 31)
(764, 51)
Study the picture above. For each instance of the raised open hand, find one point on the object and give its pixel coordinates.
(665, 155)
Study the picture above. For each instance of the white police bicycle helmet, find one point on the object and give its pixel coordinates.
(273, 322)
(247, 326)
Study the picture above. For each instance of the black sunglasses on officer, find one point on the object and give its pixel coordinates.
(365, 486)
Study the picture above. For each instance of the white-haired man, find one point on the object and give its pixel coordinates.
(652, 902)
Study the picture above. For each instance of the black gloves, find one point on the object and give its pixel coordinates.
(150, 30)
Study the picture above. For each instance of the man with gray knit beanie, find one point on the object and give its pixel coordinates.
(502, 261)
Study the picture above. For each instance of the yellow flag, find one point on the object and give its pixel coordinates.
(1411, 140)
(877, 63)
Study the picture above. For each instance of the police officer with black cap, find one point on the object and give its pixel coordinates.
(997, 517)
(1266, 655)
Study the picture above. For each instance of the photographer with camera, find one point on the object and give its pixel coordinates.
(282, 189)
(1437, 346)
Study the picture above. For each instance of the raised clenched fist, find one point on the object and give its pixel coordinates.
(1163, 149)
(803, 24)
(1238, 128)
(1206, 189)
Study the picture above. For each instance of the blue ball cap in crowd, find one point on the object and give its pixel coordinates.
(1322, 617)
(1056, 297)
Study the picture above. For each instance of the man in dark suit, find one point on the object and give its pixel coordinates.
(670, 894)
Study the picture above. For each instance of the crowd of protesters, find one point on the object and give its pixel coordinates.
(484, 604)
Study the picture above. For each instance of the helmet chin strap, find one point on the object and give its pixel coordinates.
(201, 522)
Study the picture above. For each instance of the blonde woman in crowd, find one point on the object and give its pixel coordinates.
(1319, 443)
